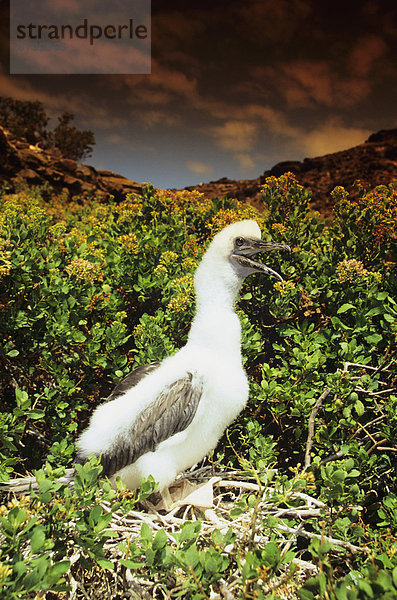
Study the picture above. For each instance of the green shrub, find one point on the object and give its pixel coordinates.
(89, 290)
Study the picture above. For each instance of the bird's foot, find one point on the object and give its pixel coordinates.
(184, 493)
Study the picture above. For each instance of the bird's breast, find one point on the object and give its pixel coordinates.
(225, 387)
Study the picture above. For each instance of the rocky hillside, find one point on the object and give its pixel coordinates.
(20, 160)
(374, 161)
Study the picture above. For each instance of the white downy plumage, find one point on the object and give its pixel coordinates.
(175, 415)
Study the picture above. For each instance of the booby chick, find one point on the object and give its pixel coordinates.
(167, 416)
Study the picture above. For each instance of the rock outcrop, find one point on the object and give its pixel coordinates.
(21, 161)
(374, 161)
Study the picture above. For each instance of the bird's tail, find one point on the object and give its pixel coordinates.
(23, 485)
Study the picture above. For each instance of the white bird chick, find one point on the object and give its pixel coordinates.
(165, 417)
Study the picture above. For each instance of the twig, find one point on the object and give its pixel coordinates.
(309, 499)
(296, 513)
(226, 593)
(303, 564)
(360, 389)
(308, 534)
(336, 456)
(362, 428)
(375, 446)
(350, 364)
(310, 433)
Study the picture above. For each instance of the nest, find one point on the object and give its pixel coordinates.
(229, 489)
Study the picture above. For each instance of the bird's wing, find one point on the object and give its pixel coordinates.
(132, 379)
(171, 412)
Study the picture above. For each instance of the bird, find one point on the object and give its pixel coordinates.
(166, 416)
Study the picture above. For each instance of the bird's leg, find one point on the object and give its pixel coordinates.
(166, 498)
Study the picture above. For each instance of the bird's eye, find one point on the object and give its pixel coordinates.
(239, 242)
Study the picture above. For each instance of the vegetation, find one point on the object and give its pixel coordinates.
(28, 121)
(89, 290)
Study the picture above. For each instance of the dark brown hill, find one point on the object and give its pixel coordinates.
(374, 161)
(22, 161)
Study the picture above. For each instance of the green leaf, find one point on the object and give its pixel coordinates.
(37, 539)
(366, 588)
(105, 564)
(374, 338)
(78, 336)
(389, 318)
(160, 540)
(210, 565)
(58, 570)
(344, 308)
(36, 413)
(146, 532)
(341, 592)
(305, 595)
(192, 556)
(339, 475)
(359, 408)
(15, 352)
(130, 564)
(22, 399)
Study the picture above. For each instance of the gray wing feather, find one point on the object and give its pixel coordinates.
(171, 412)
(132, 379)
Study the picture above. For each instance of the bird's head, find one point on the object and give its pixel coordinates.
(237, 246)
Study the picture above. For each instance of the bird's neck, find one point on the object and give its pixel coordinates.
(215, 324)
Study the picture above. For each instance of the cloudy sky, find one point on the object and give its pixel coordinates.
(235, 86)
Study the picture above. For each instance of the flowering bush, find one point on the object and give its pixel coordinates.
(89, 290)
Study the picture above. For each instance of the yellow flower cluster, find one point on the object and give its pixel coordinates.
(143, 331)
(339, 195)
(83, 269)
(179, 303)
(22, 206)
(284, 194)
(188, 264)
(183, 201)
(374, 212)
(168, 258)
(161, 272)
(103, 298)
(5, 255)
(226, 216)
(184, 287)
(351, 270)
(75, 236)
(282, 183)
(5, 571)
(94, 223)
(191, 248)
(96, 252)
(307, 476)
(279, 228)
(55, 231)
(103, 212)
(284, 287)
(129, 208)
(28, 507)
(129, 242)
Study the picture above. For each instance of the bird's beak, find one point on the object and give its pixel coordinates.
(242, 256)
